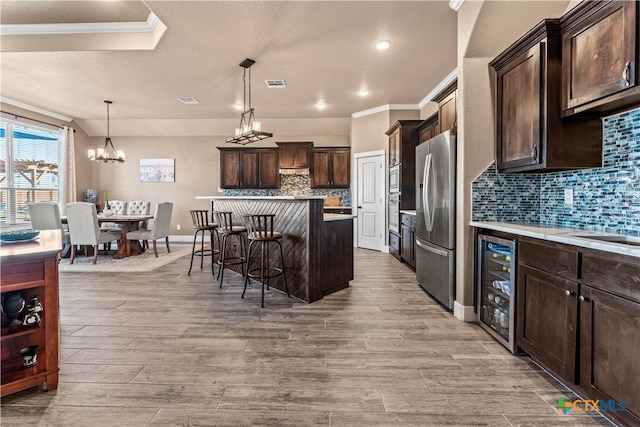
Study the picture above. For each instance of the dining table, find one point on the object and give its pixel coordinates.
(126, 223)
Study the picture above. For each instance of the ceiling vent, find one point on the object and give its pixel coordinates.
(276, 84)
(190, 100)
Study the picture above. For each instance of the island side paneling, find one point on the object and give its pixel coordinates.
(300, 222)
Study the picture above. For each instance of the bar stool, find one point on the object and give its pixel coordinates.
(261, 231)
(225, 230)
(200, 221)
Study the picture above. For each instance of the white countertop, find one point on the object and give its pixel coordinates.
(336, 217)
(408, 212)
(264, 197)
(569, 236)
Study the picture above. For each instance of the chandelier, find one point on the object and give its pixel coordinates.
(108, 153)
(250, 130)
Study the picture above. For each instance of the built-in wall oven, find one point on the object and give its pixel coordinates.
(394, 212)
(394, 179)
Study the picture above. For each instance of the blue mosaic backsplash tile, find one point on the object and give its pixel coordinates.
(604, 199)
(295, 185)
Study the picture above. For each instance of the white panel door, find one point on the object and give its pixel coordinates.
(370, 202)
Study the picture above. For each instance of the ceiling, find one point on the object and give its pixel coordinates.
(324, 50)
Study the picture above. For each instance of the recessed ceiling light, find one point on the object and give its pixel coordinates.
(238, 106)
(383, 44)
(364, 92)
(321, 105)
(190, 100)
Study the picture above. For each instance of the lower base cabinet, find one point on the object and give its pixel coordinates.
(394, 245)
(578, 314)
(546, 320)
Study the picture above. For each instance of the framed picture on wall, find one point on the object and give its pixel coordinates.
(157, 170)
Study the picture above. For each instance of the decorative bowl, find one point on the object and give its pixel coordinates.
(18, 235)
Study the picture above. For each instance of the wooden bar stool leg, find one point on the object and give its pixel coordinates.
(262, 266)
(193, 251)
(246, 277)
(284, 276)
(223, 252)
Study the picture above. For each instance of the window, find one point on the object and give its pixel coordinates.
(28, 169)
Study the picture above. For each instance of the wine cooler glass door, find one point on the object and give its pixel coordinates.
(496, 287)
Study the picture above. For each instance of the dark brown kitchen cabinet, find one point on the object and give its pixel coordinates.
(610, 331)
(447, 108)
(547, 306)
(394, 245)
(294, 155)
(249, 168)
(330, 167)
(530, 134)
(407, 239)
(404, 135)
(394, 147)
(428, 129)
(599, 57)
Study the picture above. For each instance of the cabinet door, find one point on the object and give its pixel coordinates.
(599, 54)
(447, 113)
(519, 111)
(394, 245)
(406, 243)
(249, 175)
(229, 169)
(547, 319)
(340, 170)
(610, 349)
(320, 169)
(394, 147)
(269, 175)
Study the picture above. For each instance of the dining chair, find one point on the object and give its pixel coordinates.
(159, 228)
(118, 207)
(46, 216)
(84, 229)
(140, 207)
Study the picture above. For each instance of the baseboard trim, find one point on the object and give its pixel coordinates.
(464, 312)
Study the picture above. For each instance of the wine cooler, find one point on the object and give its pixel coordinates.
(496, 288)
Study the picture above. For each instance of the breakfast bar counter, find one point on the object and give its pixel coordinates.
(318, 247)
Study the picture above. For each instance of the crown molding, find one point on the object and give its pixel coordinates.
(42, 111)
(387, 107)
(436, 90)
(81, 27)
(455, 4)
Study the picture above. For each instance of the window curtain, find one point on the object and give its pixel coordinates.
(66, 168)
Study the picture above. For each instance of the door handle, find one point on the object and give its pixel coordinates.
(626, 73)
(359, 207)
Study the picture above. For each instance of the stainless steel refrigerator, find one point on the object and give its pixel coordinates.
(435, 217)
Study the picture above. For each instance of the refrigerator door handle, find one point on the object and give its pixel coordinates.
(431, 249)
(425, 193)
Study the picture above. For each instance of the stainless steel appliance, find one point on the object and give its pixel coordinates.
(496, 288)
(394, 212)
(394, 179)
(435, 217)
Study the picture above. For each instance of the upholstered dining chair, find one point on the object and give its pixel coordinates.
(118, 207)
(159, 228)
(46, 216)
(140, 207)
(84, 229)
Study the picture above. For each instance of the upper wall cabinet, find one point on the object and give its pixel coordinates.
(600, 57)
(330, 167)
(294, 155)
(249, 168)
(447, 117)
(403, 138)
(428, 129)
(530, 135)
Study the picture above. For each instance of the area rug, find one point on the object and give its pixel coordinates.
(139, 263)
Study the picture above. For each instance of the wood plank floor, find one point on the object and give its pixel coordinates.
(167, 349)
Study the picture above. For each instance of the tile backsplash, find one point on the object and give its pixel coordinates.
(295, 185)
(604, 199)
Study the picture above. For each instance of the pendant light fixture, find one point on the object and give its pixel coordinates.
(108, 153)
(250, 130)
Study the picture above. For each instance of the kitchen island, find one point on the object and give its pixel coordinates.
(317, 247)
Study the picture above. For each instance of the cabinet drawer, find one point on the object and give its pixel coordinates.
(408, 220)
(619, 275)
(23, 272)
(552, 259)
